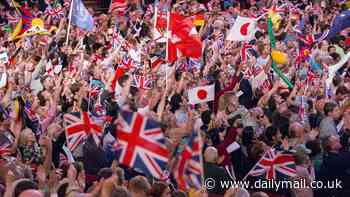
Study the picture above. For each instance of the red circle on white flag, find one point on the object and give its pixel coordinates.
(244, 29)
(202, 94)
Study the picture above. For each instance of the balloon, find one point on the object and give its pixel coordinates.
(279, 57)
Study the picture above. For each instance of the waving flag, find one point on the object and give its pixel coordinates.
(119, 40)
(31, 120)
(5, 145)
(201, 94)
(155, 63)
(118, 5)
(198, 20)
(160, 25)
(141, 81)
(24, 23)
(243, 30)
(81, 16)
(78, 127)
(141, 144)
(189, 168)
(340, 22)
(309, 40)
(274, 165)
(183, 40)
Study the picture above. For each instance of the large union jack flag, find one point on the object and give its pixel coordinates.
(274, 165)
(189, 168)
(78, 126)
(141, 144)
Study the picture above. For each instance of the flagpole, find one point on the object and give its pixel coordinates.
(201, 155)
(167, 47)
(69, 22)
(155, 16)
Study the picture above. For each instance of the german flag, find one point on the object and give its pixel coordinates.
(198, 20)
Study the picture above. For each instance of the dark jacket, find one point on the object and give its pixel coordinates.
(335, 166)
(216, 173)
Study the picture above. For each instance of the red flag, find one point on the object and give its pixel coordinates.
(183, 38)
(117, 74)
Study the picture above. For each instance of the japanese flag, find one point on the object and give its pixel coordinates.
(201, 94)
(243, 30)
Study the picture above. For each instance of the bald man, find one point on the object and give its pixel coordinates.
(213, 173)
(31, 193)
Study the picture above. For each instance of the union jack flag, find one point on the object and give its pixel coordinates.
(31, 120)
(118, 5)
(141, 81)
(128, 63)
(5, 144)
(189, 168)
(78, 127)
(274, 9)
(119, 40)
(141, 144)
(155, 63)
(149, 10)
(12, 18)
(310, 39)
(274, 165)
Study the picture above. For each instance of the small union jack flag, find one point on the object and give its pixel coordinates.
(119, 40)
(5, 144)
(141, 81)
(118, 5)
(274, 165)
(141, 144)
(274, 9)
(189, 168)
(78, 127)
(31, 120)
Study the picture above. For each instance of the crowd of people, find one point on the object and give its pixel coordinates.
(45, 77)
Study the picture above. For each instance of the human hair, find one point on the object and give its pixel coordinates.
(327, 144)
(314, 146)
(157, 189)
(22, 185)
(179, 194)
(247, 135)
(121, 175)
(119, 191)
(139, 184)
(341, 90)
(104, 173)
(269, 133)
(329, 107)
(62, 188)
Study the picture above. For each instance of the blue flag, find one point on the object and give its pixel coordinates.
(81, 16)
(341, 22)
